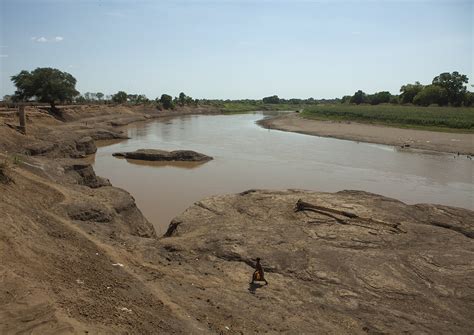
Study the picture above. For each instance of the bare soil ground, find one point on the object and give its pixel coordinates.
(77, 256)
(418, 139)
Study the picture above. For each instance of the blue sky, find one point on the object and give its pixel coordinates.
(237, 49)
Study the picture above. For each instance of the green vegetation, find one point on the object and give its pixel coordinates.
(167, 101)
(236, 107)
(120, 97)
(452, 119)
(445, 89)
(46, 85)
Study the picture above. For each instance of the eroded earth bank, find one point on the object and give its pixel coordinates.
(77, 256)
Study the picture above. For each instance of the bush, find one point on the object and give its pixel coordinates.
(274, 99)
(120, 97)
(167, 101)
(469, 99)
(358, 98)
(431, 94)
(379, 98)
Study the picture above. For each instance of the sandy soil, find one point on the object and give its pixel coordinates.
(418, 139)
(78, 257)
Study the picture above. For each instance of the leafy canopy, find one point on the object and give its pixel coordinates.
(45, 84)
(167, 101)
(453, 83)
(120, 97)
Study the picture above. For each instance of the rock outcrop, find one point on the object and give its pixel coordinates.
(86, 145)
(341, 263)
(162, 155)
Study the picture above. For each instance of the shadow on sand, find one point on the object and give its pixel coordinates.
(254, 286)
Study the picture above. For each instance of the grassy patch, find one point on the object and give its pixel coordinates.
(450, 119)
(243, 107)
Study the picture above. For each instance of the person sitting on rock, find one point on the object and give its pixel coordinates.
(258, 275)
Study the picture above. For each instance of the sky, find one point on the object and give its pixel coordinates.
(238, 49)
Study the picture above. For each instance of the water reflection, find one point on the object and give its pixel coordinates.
(177, 164)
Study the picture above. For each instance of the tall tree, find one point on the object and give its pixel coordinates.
(167, 101)
(46, 85)
(454, 84)
(182, 99)
(358, 98)
(100, 95)
(409, 91)
(379, 98)
(120, 97)
(431, 94)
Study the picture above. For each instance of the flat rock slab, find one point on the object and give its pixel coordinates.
(162, 155)
(337, 263)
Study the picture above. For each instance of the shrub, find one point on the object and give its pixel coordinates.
(431, 94)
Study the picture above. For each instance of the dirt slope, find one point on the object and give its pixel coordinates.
(77, 256)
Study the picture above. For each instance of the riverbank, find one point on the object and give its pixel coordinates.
(399, 137)
(78, 256)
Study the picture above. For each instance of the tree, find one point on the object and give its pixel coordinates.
(189, 100)
(100, 95)
(469, 99)
(132, 97)
(80, 99)
(346, 98)
(120, 97)
(394, 99)
(379, 98)
(274, 99)
(294, 101)
(182, 99)
(409, 91)
(141, 98)
(431, 94)
(167, 101)
(46, 85)
(8, 98)
(358, 98)
(453, 83)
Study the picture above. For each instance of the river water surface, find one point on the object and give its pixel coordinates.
(247, 156)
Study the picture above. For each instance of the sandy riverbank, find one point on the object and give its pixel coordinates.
(417, 139)
(77, 256)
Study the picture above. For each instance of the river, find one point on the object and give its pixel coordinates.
(247, 156)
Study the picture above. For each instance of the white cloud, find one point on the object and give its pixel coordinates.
(43, 39)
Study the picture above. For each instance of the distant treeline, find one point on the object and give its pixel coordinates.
(54, 86)
(445, 89)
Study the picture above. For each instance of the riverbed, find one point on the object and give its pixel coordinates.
(248, 156)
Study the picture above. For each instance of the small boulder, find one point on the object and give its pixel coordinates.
(86, 145)
(162, 155)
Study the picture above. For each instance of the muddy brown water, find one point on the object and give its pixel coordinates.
(247, 156)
